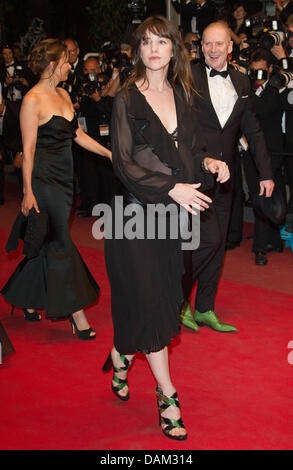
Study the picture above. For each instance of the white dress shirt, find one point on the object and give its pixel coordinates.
(223, 95)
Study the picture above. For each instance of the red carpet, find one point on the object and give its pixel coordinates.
(235, 390)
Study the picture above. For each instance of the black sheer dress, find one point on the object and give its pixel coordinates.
(56, 280)
(145, 273)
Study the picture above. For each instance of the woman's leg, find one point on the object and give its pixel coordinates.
(159, 364)
(121, 375)
(81, 321)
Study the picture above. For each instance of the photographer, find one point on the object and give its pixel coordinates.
(193, 46)
(120, 66)
(268, 107)
(15, 77)
(195, 14)
(239, 30)
(97, 178)
(285, 8)
(72, 84)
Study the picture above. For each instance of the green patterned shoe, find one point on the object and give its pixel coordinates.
(167, 425)
(209, 318)
(120, 383)
(186, 317)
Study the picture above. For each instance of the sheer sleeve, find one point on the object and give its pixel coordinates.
(146, 183)
(199, 151)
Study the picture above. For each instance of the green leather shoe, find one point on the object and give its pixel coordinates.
(209, 318)
(186, 317)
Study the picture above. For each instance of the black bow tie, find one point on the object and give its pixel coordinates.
(223, 74)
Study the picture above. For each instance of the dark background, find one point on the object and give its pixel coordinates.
(91, 22)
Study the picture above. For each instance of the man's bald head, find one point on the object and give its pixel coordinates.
(216, 44)
(218, 26)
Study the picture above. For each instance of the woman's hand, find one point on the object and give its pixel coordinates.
(188, 197)
(219, 167)
(28, 202)
(17, 161)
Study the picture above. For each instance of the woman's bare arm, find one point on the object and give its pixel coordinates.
(29, 121)
(90, 144)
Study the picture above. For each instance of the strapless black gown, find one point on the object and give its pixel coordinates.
(57, 280)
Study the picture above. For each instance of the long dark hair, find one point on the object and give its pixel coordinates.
(179, 68)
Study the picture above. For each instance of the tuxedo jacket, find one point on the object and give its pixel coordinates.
(269, 112)
(11, 127)
(220, 141)
(286, 100)
(25, 73)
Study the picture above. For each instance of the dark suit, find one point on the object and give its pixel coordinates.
(208, 258)
(269, 112)
(288, 143)
(97, 181)
(25, 73)
(204, 14)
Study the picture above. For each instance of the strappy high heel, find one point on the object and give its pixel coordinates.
(81, 334)
(163, 403)
(32, 317)
(120, 383)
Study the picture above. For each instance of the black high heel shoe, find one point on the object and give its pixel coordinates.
(32, 317)
(81, 334)
(163, 403)
(121, 383)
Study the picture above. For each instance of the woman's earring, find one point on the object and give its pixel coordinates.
(51, 80)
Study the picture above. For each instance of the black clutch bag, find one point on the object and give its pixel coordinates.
(32, 230)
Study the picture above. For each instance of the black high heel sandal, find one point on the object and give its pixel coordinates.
(163, 403)
(32, 317)
(81, 334)
(121, 383)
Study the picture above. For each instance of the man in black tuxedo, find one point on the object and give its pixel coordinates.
(75, 77)
(97, 184)
(15, 77)
(268, 107)
(224, 108)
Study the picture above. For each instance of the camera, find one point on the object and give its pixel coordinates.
(273, 34)
(136, 10)
(259, 74)
(281, 79)
(195, 46)
(90, 84)
(271, 39)
(16, 78)
(253, 22)
(124, 64)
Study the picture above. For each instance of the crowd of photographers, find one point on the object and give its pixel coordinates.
(263, 49)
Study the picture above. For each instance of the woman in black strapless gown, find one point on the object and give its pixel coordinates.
(56, 280)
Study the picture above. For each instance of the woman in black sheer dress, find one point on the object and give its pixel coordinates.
(56, 280)
(157, 157)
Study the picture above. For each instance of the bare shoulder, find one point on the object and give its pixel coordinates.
(31, 102)
(63, 93)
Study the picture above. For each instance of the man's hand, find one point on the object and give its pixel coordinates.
(24, 82)
(267, 187)
(279, 4)
(219, 167)
(95, 96)
(278, 51)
